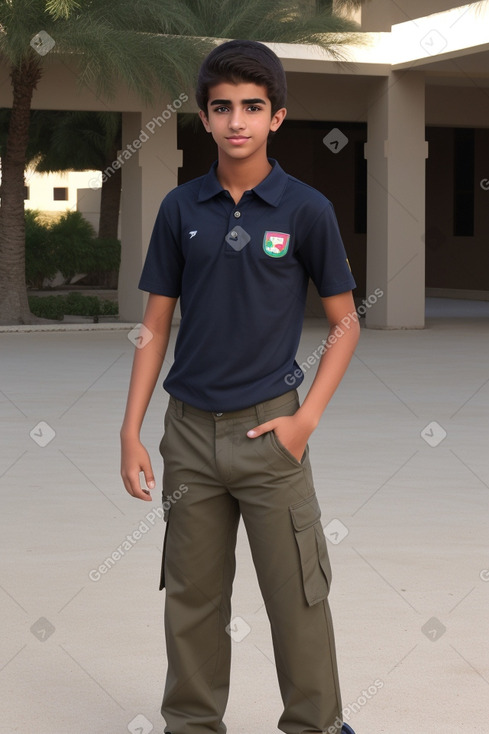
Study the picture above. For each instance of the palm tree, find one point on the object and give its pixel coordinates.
(112, 41)
(149, 46)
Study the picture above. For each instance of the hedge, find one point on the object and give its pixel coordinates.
(73, 304)
(67, 245)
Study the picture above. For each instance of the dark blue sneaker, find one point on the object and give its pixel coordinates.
(345, 729)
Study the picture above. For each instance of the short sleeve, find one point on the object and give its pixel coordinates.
(162, 270)
(323, 255)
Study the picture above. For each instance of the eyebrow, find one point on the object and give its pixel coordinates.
(255, 100)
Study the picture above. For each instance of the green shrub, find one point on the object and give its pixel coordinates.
(68, 245)
(73, 304)
(80, 305)
(72, 241)
(40, 259)
(47, 307)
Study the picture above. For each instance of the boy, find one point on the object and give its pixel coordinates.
(238, 246)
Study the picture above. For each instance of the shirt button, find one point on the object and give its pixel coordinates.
(237, 215)
(234, 235)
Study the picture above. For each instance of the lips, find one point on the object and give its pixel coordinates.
(237, 139)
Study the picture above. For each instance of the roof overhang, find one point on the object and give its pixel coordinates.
(452, 47)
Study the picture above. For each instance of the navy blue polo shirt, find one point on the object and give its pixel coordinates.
(241, 272)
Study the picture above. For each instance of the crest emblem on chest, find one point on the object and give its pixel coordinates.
(276, 244)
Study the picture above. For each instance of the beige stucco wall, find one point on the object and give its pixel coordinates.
(58, 90)
(317, 97)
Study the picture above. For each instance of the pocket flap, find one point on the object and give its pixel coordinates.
(305, 513)
(311, 543)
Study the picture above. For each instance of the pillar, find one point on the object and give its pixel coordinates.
(396, 154)
(148, 174)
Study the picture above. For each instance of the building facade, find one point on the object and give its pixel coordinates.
(396, 136)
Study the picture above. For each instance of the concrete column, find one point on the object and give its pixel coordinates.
(396, 154)
(148, 174)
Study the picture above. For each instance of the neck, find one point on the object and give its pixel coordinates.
(238, 176)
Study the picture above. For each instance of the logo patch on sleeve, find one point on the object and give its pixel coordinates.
(276, 244)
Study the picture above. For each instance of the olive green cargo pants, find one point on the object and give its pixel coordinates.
(213, 474)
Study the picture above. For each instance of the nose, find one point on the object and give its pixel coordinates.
(236, 120)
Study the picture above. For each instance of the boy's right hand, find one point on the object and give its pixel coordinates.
(135, 459)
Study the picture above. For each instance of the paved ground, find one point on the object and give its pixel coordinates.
(402, 472)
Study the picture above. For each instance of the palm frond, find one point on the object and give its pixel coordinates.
(81, 141)
(280, 21)
(61, 8)
(152, 45)
(103, 58)
(348, 5)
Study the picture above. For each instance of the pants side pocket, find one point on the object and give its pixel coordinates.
(309, 535)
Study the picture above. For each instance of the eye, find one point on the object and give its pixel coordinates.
(254, 108)
(221, 108)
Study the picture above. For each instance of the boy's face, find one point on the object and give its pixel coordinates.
(239, 117)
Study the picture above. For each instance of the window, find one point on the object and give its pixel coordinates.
(60, 193)
(463, 182)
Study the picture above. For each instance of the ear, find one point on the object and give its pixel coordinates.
(277, 119)
(205, 121)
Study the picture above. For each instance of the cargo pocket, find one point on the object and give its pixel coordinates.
(309, 535)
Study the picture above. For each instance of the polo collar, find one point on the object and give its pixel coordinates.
(270, 189)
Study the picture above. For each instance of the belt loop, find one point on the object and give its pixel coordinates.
(179, 408)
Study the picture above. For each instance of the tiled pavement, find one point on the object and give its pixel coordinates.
(401, 465)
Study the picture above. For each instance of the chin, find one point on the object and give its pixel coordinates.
(237, 153)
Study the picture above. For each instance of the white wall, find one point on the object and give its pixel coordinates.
(41, 187)
(88, 203)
